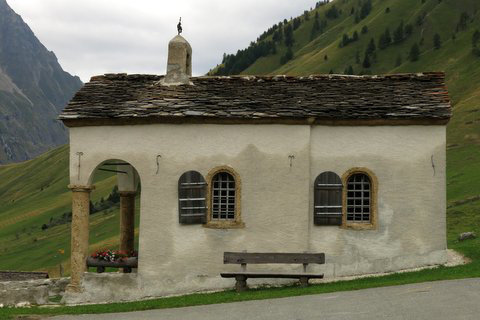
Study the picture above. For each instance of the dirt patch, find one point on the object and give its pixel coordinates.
(455, 258)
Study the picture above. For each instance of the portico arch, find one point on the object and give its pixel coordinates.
(128, 181)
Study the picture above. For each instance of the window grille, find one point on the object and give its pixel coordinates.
(328, 199)
(191, 198)
(359, 198)
(223, 196)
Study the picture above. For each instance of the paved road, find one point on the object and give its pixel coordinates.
(452, 300)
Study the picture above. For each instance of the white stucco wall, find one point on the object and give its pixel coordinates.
(276, 198)
(411, 227)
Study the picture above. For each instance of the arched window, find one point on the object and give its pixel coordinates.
(328, 199)
(192, 198)
(223, 196)
(359, 198)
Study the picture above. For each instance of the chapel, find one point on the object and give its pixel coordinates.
(350, 166)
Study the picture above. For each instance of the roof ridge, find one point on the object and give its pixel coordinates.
(407, 75)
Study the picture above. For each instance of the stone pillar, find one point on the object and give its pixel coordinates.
(79, 244)
(127, 220)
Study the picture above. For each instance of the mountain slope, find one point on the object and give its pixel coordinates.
(33, 90)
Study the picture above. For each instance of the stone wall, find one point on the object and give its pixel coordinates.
(22, 275)
(32, 291)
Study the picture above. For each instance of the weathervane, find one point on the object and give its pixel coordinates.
(179, 26)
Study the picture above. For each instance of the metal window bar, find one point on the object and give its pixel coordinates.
(223, 199)
(358, 198)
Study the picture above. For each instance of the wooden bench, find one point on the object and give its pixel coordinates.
(243, 258)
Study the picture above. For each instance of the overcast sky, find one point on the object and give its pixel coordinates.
(93, 37)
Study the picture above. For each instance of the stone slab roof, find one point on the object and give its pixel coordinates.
(124, 99)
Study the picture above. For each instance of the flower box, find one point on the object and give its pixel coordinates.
(114, 259)
(126, 263)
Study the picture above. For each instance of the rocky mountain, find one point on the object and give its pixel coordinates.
(33, 90)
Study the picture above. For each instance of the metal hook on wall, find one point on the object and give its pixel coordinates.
(158, 163)
(291, 157)
(79, 154)
(433, 165)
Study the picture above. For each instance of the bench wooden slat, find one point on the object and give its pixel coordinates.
(272, 257)
(272, 275)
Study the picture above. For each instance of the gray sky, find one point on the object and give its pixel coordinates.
(93, 37)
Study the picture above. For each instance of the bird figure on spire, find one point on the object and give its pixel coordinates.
(179, 26)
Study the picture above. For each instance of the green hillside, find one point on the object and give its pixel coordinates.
(33, 194)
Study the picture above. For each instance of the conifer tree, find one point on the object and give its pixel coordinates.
(316, 26)
(437, 42)
(388, 38)
(357, 17)
(366, 61)
(475, 38)
(287, 57)
(398, 34)
(475, 41)
(371, 46)
(289, 35)
(408, 29)
(399, 61)
(355, 36)
(414, 52)
(349, 70)
(332, 13)
(462, 22)
(365, 9)
(385, 39)
(345, 41)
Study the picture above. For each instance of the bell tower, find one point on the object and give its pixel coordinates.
(179, 63)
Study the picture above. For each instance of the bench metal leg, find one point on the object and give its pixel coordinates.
(303, 282)
(100, 269)
(241, 283)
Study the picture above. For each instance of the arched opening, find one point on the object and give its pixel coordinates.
(114, 217)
